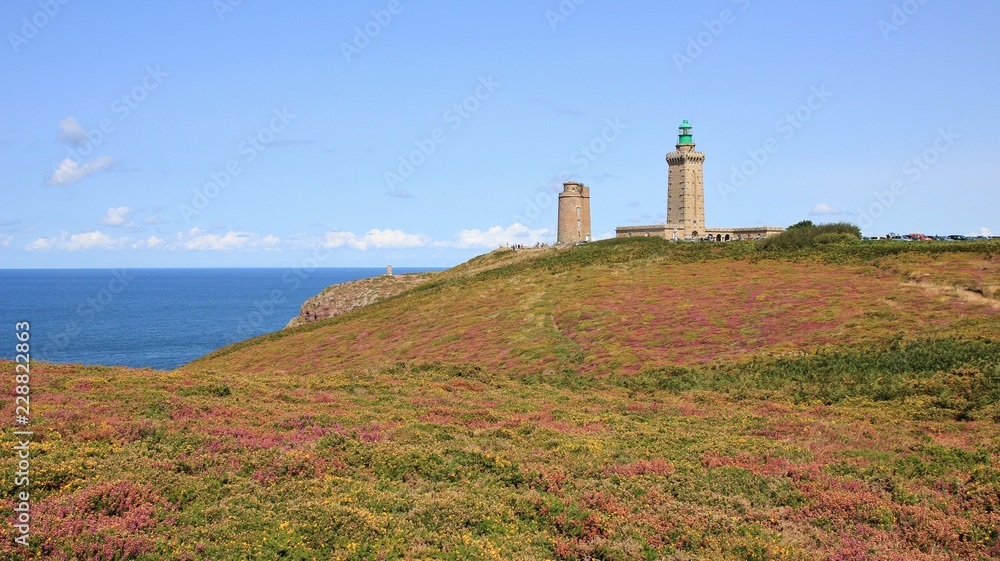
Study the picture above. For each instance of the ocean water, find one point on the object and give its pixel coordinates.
(161, 318)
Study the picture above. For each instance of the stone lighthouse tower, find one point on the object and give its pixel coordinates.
(686, 187)
(574, 214)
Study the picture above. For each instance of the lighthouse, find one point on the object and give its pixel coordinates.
(686, 186)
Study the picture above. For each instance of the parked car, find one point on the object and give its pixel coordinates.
(918, 237)
(957, 238)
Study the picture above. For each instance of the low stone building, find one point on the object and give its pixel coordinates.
(669, 231)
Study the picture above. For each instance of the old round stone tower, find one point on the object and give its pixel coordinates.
(574, 214)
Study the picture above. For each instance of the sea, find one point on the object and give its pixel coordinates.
(158, 318)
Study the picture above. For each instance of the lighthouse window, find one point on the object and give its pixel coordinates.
(578, 211)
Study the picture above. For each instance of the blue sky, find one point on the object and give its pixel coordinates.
(249, 133)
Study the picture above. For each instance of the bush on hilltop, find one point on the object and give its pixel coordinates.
(807, 234)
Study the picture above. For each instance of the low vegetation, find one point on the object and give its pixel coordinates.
(629, 399)
(806, 234)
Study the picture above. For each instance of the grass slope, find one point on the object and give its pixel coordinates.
(554, 406)
(625, 305)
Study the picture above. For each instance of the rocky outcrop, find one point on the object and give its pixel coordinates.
(342, 298)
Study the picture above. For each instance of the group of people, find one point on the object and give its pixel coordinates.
(538, 245)
(736, 239)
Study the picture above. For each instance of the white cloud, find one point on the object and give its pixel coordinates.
(824, 209)
(496, 236)
(200, 240)
(69, 171)
(152, 242)
(117, 216)
(71, 132)
(194, 240)
(375, 239)
(41, 244)
(152, 220)
(984, 231)
(93, 240)
(77, 242)
(5, 242)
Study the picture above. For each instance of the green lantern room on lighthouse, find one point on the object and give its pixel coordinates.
(685, 137)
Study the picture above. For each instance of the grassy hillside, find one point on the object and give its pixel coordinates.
(623, 400)
(623, 306)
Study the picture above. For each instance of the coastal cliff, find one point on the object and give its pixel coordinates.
(342, 298)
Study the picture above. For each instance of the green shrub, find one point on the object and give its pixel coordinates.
(806, 234)
(831, 237)
(839, 228)
(957, 375)
(211, 390)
